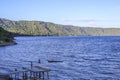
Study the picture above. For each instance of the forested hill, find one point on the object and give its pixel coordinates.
(50, 29)
(5, 36)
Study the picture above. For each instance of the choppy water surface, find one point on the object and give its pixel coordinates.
(84, 58)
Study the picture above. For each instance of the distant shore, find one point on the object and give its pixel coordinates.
(7, 43)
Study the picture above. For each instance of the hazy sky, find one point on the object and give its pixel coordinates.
(98, 13)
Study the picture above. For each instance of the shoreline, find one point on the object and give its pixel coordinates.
(7, 43)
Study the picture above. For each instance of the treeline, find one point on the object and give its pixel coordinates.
(5, 36)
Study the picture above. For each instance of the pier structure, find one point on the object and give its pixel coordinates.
(36, 73)
(27, 73)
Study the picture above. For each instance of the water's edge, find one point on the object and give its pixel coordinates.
(7, 43)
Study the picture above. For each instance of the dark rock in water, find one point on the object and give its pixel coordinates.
(54, 61)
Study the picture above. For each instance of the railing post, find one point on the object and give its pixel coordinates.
(43, 75)
(39, 75)
(31, 64)
(39, 61)
(47, 75)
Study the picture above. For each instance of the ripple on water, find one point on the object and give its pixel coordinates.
(84, 58)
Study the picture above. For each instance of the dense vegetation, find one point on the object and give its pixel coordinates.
(5, 36)
(50, 29)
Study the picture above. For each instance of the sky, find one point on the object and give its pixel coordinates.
(85, 13)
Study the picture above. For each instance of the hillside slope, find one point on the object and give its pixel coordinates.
(6, 38)
(50, 29)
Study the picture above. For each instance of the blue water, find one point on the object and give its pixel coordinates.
(84, 58)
